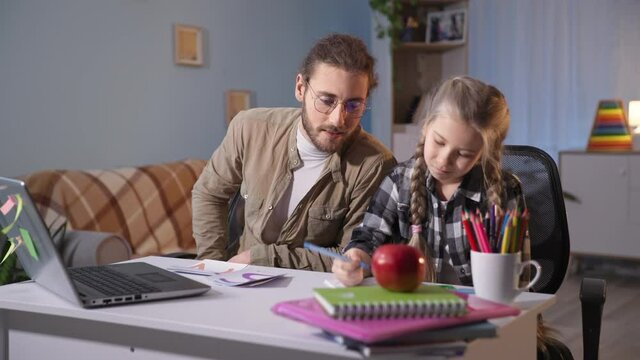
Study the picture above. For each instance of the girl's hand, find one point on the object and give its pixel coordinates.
(349, 273)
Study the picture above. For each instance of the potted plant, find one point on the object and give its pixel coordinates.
(9, 271)
(391, 21)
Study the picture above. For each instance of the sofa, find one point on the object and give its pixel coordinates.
(117, 214)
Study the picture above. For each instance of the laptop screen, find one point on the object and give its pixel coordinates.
(22, 226)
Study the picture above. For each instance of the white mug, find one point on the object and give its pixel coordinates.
(496, 276)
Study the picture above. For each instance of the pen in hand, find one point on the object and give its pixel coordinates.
(327, 252)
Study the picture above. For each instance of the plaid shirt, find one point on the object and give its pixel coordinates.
(388, 219)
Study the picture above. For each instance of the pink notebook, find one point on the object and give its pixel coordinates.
(309, 311)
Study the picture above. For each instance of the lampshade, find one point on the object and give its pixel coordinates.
(634, 114)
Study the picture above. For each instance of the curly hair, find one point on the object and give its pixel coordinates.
(343, 51)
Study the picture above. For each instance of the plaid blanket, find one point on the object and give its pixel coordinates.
(150, 206)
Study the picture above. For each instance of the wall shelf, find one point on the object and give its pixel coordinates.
(417, 66)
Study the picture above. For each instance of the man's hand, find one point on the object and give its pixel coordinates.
(242, 258)
(349, 273)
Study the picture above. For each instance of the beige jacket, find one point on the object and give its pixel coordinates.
(258, 156)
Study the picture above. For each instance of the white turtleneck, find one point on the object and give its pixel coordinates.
(312, 164)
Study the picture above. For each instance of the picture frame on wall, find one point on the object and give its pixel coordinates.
(188, 48)
(447, 27)
(236, 101)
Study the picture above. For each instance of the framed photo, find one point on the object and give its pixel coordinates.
(188, 45)
(447, 27)
(237, 100)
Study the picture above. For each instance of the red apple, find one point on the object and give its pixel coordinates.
(398, 267)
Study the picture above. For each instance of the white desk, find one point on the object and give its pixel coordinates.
(223, 323)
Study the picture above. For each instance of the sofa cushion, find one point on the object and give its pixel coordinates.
(89, 248)
(149, 206)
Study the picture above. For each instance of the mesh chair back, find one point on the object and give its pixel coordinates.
(235, 224)
(548, 229)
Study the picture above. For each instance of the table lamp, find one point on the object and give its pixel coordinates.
(634, 122)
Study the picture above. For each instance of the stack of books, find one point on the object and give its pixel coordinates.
(445, 342)
(432, 320)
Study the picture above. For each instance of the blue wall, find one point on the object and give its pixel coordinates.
(92, 84)
(554, 60)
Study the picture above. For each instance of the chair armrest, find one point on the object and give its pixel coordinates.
(592, 296)
(88, 248)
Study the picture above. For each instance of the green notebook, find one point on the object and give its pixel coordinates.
(374, 302)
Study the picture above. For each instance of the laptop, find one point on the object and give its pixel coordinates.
(92, 286)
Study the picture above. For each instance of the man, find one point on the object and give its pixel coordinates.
(305, 174)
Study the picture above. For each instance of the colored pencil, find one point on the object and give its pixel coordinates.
(492, 227)
(467, 228)
(483, 239)
(515, 232)
(329, 253)
(493, 232)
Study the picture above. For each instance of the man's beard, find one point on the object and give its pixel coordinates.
(314, 135)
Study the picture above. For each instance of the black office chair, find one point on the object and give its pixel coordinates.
(235, 226)
(549, 235)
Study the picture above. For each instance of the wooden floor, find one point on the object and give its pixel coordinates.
(620, 334)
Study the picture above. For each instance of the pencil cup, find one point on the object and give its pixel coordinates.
(496, 276)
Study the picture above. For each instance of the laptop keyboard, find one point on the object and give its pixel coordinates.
(109, 281)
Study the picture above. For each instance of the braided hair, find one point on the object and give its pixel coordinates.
(484, 108)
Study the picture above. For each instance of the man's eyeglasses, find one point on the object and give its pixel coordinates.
(325, 104)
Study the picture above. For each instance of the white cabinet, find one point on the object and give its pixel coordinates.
(605, 218)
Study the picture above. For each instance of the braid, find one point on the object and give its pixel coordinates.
(419, 210)
(492, 168)
(418, 188)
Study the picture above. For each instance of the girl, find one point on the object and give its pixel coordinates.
(457, 165)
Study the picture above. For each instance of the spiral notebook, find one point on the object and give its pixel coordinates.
(374, 302)
(369, 331)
